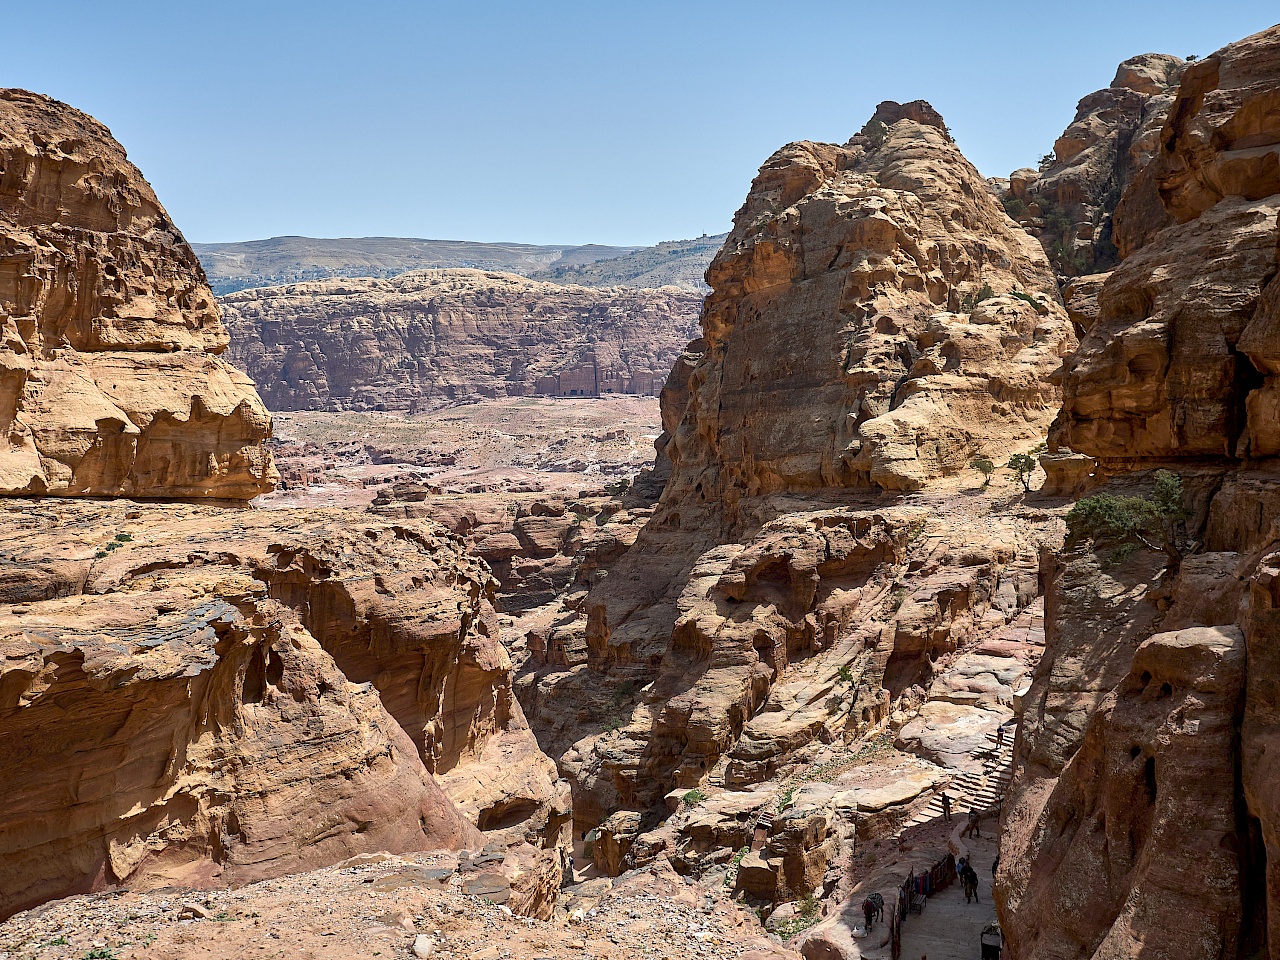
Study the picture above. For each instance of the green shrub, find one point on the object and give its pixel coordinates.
(99, 953)
(875, 132)
(845, 674)
(1131, 522)
(984, 467)
(693, 797)
(972, 300)
(1016, 208)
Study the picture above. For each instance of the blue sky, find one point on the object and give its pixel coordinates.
(554, 122)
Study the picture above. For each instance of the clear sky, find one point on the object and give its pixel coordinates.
(555, 121)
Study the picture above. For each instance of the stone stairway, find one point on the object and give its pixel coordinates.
(760, 834)
(980, 790)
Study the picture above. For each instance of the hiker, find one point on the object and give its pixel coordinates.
(969, 880)
(994, 863)
(974, 827)
(999, 736)
(973, 883)
(946, 807)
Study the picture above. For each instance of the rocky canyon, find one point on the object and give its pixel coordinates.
(193, 693)
(954, 536)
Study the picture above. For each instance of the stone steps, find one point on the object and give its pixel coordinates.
(970, 789)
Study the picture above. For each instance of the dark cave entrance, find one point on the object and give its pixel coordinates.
(1253, 892)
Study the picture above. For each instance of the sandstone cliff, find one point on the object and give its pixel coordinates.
(208, 697)
(200, 696)
(427, 338)
(1144, 817)
(1069, 202)
(110, 379)
(876, 321)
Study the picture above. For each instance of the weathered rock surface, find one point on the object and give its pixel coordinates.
(110, 377)
(875, 320)
(207, 697)
(1142, 815)
(1069, 202)
(426, 338)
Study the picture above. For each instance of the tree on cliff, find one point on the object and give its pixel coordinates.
(1153, 521)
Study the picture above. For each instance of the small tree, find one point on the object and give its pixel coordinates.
(875, 131)
(1023, 464)
(1153, 522)
(1192, 58)
(986, 468)
(1048, 160)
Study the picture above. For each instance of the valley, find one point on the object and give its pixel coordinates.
(503, 602)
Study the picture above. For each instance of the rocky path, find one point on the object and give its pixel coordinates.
(949, 928)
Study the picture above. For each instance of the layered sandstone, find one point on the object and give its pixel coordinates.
(423, 339)
(876, 322)
(1069, 202)
(208, 697)
(1143, 816)
(111, 381)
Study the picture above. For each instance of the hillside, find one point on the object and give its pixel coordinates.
(677, 263)
(263, 263)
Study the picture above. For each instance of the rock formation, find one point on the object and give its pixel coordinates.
(110, 377)
(1143, 817)
(876, 321)
(1068, 203)
(202, 696)
(196, 695)
(427, 338)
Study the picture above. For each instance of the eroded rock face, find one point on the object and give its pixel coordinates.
(1141, 817)
(1181, 361)
(434, 336)
(875, 320)
(197, 696)
(110, 379)
(1070, 201)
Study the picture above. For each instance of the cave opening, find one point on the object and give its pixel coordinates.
(1149, 774)
(1253, 892)
(1247, 378)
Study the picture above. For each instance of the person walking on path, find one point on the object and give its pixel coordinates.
(999, 736)
(994, 863)
(946, 807)
(974, 827)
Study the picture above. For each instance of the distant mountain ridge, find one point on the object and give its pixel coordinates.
(673, 263)
(280, 260)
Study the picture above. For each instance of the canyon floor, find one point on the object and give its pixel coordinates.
(530, 444)
(384, 906)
